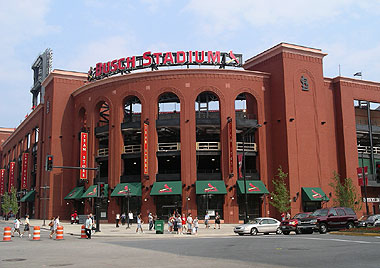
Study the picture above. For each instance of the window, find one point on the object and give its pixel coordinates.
(350, 211)
(272, 222)
(333, 212)
(341, 212)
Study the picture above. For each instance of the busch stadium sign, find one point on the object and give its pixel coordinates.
(155, 60)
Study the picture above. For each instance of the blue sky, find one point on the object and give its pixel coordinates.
(82, 33)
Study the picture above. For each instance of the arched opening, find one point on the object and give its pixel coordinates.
(102, 112)
(247, 155)
(207, 113)
(168, 151)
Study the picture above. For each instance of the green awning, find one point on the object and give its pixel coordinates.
(210, 187)
(253, 187)
(91, 191)
(167, 188)
(76, 193)
(122, 189)
(29, 197)
(313, 194)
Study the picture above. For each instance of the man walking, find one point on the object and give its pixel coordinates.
(150, 220)
(88, 226)
(27, 226)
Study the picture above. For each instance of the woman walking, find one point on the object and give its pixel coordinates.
(139, 224)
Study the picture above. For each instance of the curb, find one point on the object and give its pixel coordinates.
(355, 234)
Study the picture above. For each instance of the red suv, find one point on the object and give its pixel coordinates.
(326, 219)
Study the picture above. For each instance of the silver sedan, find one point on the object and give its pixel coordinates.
(259, 225)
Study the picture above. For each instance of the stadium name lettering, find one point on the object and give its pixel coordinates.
(155, 60)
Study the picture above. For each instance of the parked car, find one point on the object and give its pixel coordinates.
(326, 219)
(368, 220)
(290, 225)
(259, 225)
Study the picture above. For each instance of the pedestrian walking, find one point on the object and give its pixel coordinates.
(170, 224)
(189, 223)
(217, 220)
(207, 219)
(288, 215)
(51, 225)
(179, 223)
(26, 226)
(130, 217)
(123, 218)
(139, 224)
(150, 221)
(56, 224)
(88, 226)
(117, 219)
(196, 225)
(16, 227)
(282, 216)
(184, 228)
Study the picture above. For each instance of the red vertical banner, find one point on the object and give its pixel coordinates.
(145, 149)
(2, 181)
(11, 175)
(24, 171)
(83, 154)
(240, 162)
(360, 175)
(230, 148)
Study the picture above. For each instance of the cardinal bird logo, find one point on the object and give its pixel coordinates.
(316, 195)
(211, 188)
(253, 188)
(166, 189)
(93, 192)
(124, 191)
(72, 193)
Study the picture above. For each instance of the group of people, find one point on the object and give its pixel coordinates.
(181, 225)
(16, 226)
(123, 218)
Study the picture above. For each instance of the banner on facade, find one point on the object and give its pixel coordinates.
(11, 175)
(83, 154)
(360, 175)
(240, 162)
(145, 149)
(230, 149)
(24, 171)
(2, 181)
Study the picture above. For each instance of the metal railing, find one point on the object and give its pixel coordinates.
(103, 152)
(167, 147)
(208, 146)
(248, 146)
(367, 149)
(132, 149)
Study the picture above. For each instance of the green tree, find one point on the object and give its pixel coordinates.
(345, 193)
(6, 205)
(280, 197)
(13, 201)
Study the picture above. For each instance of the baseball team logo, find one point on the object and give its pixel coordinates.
(166, 189)
(211, 188)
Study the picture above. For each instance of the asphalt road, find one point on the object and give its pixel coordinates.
(188, 251)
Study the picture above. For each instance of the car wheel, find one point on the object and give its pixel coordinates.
(253, 231)
(241, 234)
(298, 231)
(278, 231)
(322, 228)
(351, 225)
(285, 232)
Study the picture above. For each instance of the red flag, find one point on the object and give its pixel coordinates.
(360, 175)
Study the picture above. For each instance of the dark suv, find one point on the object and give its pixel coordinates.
(325, 219)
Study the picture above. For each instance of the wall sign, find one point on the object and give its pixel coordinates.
(145, 149)
(159, 59)
(83, 154)
(230, 149)
(11, 175)
(24, 171)
(2, 181)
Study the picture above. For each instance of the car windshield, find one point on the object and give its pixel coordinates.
(320, 212)
(301, 215)
(255, 221)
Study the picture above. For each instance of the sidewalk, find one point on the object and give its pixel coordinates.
(110, 230)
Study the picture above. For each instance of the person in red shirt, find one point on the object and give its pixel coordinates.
(184, 223)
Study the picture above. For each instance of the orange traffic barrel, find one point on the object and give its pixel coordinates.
(59, 235)
(83, 232)
(7, 234)
(36, 233)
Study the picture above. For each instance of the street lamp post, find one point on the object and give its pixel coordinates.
(128, 194)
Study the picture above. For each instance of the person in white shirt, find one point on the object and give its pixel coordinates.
(189, 223)
(56, 224)
(88, 226)
(17, 227)
(27, 226)
(207, 218)
(130, 218)
(117, 219)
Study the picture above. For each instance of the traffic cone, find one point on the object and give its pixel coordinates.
(83, 232)
(59, 235)
(7, 234)
(36, 233)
